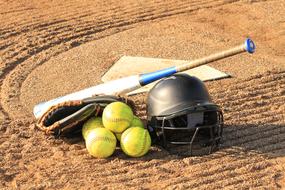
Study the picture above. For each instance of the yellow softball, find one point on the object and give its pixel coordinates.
(90, 124)
(135, 123)
(117, 116)
(101, 143)
(135, 141)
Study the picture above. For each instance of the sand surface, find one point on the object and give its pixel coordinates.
(51, 48)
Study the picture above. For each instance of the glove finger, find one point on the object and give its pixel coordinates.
(104, 100)
(66, 116)
(74, 121)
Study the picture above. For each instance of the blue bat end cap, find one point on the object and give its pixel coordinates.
(249, 46)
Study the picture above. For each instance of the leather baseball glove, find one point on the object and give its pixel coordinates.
(68, 117)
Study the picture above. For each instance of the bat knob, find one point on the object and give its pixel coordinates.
(249, 46)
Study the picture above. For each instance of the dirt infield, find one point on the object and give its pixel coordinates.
(50, 48)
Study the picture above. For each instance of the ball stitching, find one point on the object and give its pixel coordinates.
(143, 144)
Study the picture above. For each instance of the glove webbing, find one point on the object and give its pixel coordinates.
(57, 126)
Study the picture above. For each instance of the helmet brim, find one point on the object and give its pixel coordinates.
(186, 109)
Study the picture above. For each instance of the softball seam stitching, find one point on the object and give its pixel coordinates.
(117, 120)
(108, 139)
(143, 145)
(125, 133)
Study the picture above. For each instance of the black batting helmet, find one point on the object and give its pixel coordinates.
(180, 112)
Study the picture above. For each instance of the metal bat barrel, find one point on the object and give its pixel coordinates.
(128, 84)
(247, 46)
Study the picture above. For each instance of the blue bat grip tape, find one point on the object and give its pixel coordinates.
(249, 46)
(151, 77)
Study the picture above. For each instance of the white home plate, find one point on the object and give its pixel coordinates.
(128, 65)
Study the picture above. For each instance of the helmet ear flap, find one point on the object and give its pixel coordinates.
(210, 117)
(156, 135)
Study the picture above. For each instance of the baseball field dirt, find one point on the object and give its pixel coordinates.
(51, 48)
